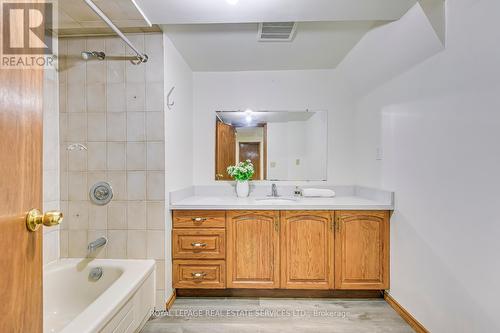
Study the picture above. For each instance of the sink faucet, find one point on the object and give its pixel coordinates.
(274, 191)
(99, 242)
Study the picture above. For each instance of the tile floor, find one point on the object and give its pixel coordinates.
(239, 315)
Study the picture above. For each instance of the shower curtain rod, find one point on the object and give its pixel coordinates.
(141, 57)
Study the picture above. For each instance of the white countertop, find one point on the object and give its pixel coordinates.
(234, 203)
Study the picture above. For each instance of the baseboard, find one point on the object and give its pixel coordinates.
(171, 300)
(279, 293)
(419, 328)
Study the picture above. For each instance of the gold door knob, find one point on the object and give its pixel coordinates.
(35, 218)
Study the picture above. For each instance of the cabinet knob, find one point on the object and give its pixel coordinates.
(198, 219)
(198, 244)
(199, 275)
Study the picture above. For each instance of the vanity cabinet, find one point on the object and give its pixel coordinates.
(362, 250)
(307, 239)
(199, 249)
(253, 249)
(321, 250)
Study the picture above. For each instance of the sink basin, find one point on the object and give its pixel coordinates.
(276, 199)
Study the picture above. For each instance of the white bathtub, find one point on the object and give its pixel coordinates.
(120, 301)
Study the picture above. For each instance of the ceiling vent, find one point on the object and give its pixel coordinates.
(276, 31)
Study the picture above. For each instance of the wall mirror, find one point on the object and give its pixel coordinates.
(282, 145)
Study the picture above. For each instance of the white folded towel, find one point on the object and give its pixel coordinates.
(318, 192)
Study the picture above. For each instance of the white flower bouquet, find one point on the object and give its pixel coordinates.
(242, 171)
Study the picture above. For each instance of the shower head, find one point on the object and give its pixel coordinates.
(87, 55)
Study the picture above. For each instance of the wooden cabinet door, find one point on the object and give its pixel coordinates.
(225, 150)
(362, 250)
(307, 250)
(252, 255)
(21, 117)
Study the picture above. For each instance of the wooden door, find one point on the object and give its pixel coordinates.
(20, 190)
(225, 150)
(307, 250)
(251, 151)
(252, 255)
(362, 250)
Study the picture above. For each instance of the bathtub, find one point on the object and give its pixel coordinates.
(120, 301)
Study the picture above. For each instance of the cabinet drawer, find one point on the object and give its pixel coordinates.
(199, 218)
(204, 274)
(199, 244)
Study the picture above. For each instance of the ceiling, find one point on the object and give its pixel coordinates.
(213, 35)
(234, 47)
(220, 11)
(76, 17)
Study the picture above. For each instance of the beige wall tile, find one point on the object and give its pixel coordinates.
(136, 156)
(154, 96)
(155, 215)
(76, 71)
(117, 215)
(78, 215)
(136, 96)
(156, 156)
(77, 243)
(77, 160)
(115, 71)
(116, 156)
(136, 127)
(96, 97)
(156, 244)
(136, 244)
(116, 126)
(76, 96)
(136, 185)
(77, 127)
(115, 97)
(136, 215)
(96, 127)
(117, 244)
(96, 71)
(77, 186)
(154, 126)
(98, 217)
(155, 185)
(96, 156)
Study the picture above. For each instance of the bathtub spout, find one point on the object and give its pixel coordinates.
(99, 242)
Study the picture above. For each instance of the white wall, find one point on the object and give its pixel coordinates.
(273, 90)
(438, 125)
(178, 138)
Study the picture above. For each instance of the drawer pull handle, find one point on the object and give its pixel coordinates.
(199, 275)
(198, 244)
(199, 219)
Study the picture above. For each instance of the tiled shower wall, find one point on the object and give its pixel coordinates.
(115, 109)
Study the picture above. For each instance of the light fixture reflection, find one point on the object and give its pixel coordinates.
(232, 2)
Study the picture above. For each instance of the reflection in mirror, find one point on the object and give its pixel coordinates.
(282, 145)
